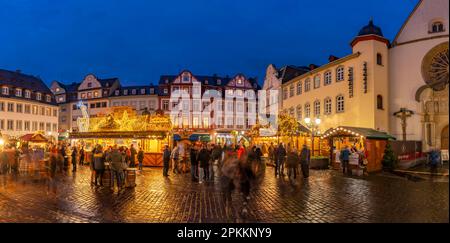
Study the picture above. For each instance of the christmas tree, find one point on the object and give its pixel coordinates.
(389, 159)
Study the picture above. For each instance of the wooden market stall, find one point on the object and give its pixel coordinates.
(123, 127)
(373, 142)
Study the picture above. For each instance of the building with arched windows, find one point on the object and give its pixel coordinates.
(346, 91)
(418, 77)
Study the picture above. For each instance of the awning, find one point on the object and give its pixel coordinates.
(344, 131)
(34, 138)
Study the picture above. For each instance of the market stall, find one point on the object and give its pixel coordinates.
(123, 127)
(371, 141)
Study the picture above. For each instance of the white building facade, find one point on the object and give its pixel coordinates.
(26, 106)
(418, 77)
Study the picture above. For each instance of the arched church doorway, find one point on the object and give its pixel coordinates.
(444, 138)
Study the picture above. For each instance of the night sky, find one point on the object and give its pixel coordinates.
(139, 40)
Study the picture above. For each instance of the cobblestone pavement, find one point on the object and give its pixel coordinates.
(326, 196)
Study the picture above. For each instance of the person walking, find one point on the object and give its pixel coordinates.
(98, 161)
(434, 158)
(63, 153)
(292, 162)
(216, 155)
(74, 158)
(166, 161)
(117, 159)
(305, 159)
(133, 154)
(281, 156)
(82, 155)
(203, 158)
(175, 158)
(193, 153)
(140, 158)
(345, 159)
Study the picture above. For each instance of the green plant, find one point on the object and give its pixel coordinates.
(389, 161)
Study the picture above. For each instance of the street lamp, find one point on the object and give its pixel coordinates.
(313, 126)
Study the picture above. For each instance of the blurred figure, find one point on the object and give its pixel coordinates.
(74, 158)
(133, 154)
(3, 166)
(281, 157)
(193, 153)
(82, 155)
(116, 158)
(345, 159)
(98, 164)
(305, 158)
(175, 156)
(166, 161)
(203, 158)
(140, 157)
(434, 160)
(292, 163)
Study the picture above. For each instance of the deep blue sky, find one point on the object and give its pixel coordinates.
(139, 40)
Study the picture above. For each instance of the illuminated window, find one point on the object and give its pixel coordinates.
(307, 110)
(18, 92)
(340, 103)
(299, 87)
(291, 90)
(316, 108)
(327, 78)
(317, 81)
(327, 106)
(340, 74)
(307, 85)
(299, 112)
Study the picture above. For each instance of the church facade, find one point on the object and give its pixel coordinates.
(418, 76)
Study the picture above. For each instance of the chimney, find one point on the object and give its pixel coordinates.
(312, 67)
(332, 58)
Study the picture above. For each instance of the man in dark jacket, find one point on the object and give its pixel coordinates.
(281, 156)
(194, 163)
(140, 158)
(305, 158)
(98, 164)
(166, 161)
(203, 158)
(117, 159)
(82, 155)
(74, 158)
(133, 153)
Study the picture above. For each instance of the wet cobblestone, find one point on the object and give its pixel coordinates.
(326, 196)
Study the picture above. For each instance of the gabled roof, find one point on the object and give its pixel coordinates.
(20, 80)
(211, 80)
(289, 72)
(406, 22)
(106, 81)
(73, 87)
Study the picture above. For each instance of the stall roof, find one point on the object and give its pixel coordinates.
(34, 138)
(118, 134)
(357, 131)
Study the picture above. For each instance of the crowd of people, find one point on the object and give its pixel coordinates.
(287, 158)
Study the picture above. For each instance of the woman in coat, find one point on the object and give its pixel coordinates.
(203, 158)
(98, 163)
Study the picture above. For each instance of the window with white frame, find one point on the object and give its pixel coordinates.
(299, 112)
(27, 94)
(299, 87)
(165, 105)
(316, 108)
(11, 107)
(152, 90)
(48, 98)
(125, 92)
(307, 85)
(437, 27)
(19, 92)
(27, 109)
(327, 78)
(230, 92)
(317, 81)
(5, 91)
(340, 74)
(142, 91)
(38, 96)
(340, 103)
(18, 125)
(133, 91)
(10, 125)
(230, 106)
(19, 108)
(2, 106)
(307, 110)
(117, 92)
(291, 90)
(27, 125)
(327, 106)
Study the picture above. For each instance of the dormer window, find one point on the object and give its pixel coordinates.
(107, 85)
(38, 96)
(185, 78)
(117, 92)
(219, 82)
(152, 90)
(27, 94)
(206, 82)
(125, 92)
(239, 81)
(142, 91)
(5, 91)
(166, 91)
(133, 92)
(57, 89)
(48, 98)
(437, 27)
(89, 85)
(167, 81)
(18, 92)
(95, 94)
